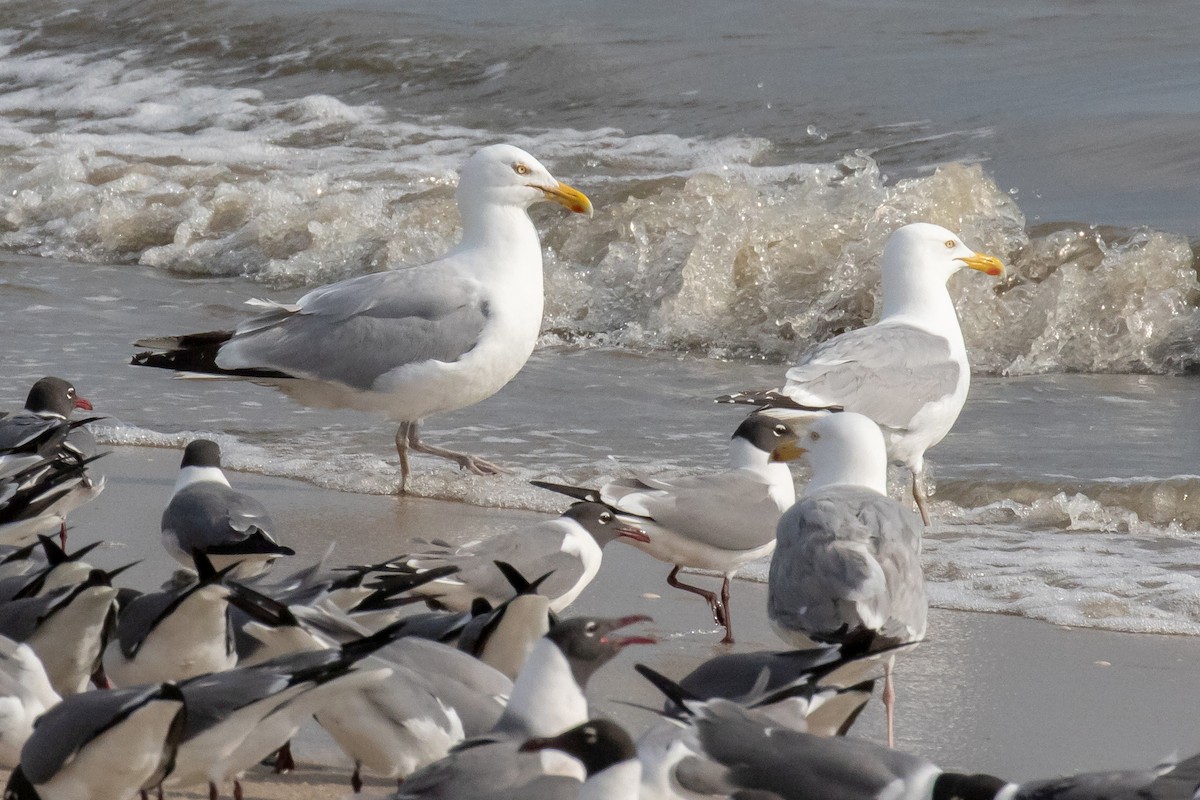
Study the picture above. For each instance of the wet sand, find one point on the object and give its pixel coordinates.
(986, 693)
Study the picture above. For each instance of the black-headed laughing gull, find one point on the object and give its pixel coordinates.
(568, 548)
(206, 514)
(717, 521)
(101, 745)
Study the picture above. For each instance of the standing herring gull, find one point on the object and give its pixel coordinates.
(414, 341)
(847, 566)
(908, 372)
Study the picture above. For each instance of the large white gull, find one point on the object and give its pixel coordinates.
(414, 341)
(847, 563)
(908, 372)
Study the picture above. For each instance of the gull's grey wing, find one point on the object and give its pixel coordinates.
(214, 697)
(731, 510)
(59, 733)
(461, 681)
(479, 772)
(23, 429)
(208, 514)
(357, 330)
(847, 559)
(19, 619)
(798, 765)
(533, 551)
(885, 372)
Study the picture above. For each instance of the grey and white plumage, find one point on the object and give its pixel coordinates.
(568, 548)
(762, 757)
(25, 694)
(332, 673)
(67, 629)
(908, 371)
(717, 521)
(41, 426)
(206, 514)
(101, 745)
(847, 564)
(176, 633)
(759, 755)
(415, 341)
(547, 698)
(45, 462)
(259, 703)
(611, 767)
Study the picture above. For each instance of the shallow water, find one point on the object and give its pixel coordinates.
(161, 162)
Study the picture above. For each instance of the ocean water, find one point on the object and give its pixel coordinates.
(162, 162)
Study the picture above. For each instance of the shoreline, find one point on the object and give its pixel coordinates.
(993, 693)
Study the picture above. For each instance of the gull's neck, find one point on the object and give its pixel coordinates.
(545, 698)
(497, 228)
(190, 475)
(919, 299)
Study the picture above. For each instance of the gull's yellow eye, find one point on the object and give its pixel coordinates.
(520, 169)
(950, 244)
(814, 435)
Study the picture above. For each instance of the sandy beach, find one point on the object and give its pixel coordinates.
(986, 693)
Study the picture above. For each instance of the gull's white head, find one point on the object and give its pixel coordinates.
(918, 259)
(934, 251)
(505, 175)
(845, 449)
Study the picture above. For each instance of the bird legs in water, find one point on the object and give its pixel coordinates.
(918, 493)
(718, 606)
(407, 439)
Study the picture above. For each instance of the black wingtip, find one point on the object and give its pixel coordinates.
(672, 690)
(578, 492)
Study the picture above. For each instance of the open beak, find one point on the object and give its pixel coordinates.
(637, 534)
(989, 265)
(788, 451)
(82, 402)
(567, 196)
(625, 641)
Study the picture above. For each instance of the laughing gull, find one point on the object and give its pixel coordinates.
(547, 699)
(345, 669)
(101, 745)
(54, 570)
(42, 425)
(66, 628)
(848, 563)
(25, 694)
(547, 696)
(568, 548)
(414, 341)
(234, 715)
(720, 521)
(206, 514)
(608, 757)
(178, 632)
(760, 756)
(36, 498)
(412, 718)
(908, 372)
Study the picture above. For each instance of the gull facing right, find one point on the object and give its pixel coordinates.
(413, 341)
(908, 372)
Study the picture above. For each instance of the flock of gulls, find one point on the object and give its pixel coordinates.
(461, 672)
